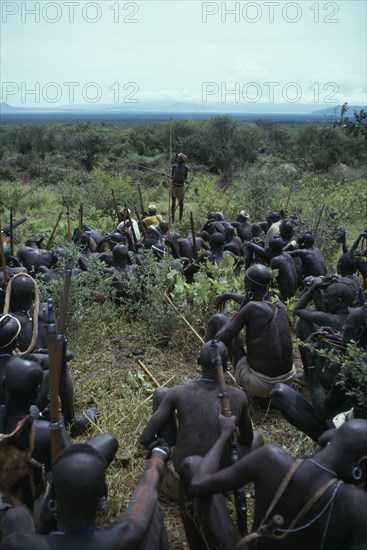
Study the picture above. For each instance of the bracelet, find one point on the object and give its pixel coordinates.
(313, 367)
(160, 450)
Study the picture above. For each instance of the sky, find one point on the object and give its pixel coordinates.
(252, 54)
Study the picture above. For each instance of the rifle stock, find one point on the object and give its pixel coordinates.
(61, 340)
(239, 494)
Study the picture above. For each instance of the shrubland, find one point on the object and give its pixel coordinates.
(316, 172)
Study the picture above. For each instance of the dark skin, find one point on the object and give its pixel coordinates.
(267, 467)
(313, 263)
(197, 407)
(313, 418)
(287, 273)
(273, 355)
(77, 512)
(335, 302)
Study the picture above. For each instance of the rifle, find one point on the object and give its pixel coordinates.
(69, 223)
(49, 242)
(119, 217)
(61, 340)
(6, 228)
(11, 232)
(239, 494)
(55, 424)
(80, 222)
(194, 247)
(142, 228)
(141, 202)
(134, 239)
(2, 254)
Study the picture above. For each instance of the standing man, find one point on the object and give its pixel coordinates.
(177, 185)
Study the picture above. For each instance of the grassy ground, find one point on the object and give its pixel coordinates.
(107, 374)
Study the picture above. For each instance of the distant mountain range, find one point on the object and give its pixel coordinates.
(141, 111)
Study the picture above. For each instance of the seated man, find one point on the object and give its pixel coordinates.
(303, 504)
(79, 483)
(197, 407)
(334, 298)
(153, 218)
(268, 357)
(313, 263)
(332, 391)
(284, 263)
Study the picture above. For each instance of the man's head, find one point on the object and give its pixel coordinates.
(22, 380)
(349, 446)
(356, 326)
(152, 210)
(243, 216)
(272, 217)
(9, 329)
(120, 252)
(338, 297)
(307, 240)
(23, 290)
(276, 246)
(347, 264)
(216, 241)
(257, 279)
(181, 158)
(79, 477)
(206, 359)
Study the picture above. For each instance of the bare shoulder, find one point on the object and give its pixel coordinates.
(350, 517)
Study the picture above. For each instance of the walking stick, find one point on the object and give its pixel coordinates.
(194, 331)
(169, 171)
(49, 242)
(239, 494)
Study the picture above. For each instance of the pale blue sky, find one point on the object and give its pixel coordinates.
(167, 52)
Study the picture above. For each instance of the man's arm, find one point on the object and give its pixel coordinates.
(207, 480)
(135, 521)
(326, 404)
(159, 418)
(220, 301)
(246, 432)
(235, 324)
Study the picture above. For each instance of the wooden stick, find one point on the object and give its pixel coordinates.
(185, 320)
(147, 371)
(196, 334)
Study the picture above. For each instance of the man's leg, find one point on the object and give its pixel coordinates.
(173, 208)
(298, 411)
(206, 520)
(181, 205)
